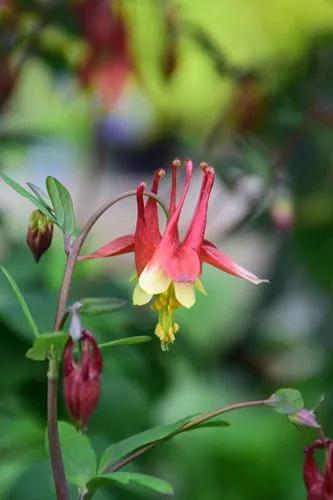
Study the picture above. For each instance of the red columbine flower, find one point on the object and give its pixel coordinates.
(82, 379)
(108, 62)
(166, 266)
(319, 485)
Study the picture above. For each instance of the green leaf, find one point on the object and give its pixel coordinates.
(151, 482)
(140, 339)
(100, 305)
(22, 302)
(120, 450)
(286, 401)
(43, 197)
(23, 192)
(62, 204)
(42, 345)
(78, 455)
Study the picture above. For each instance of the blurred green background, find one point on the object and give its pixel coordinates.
(100, 94)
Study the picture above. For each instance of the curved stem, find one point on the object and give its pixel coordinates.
(52, 386)
(53, 435)
(78, 244)
(186, 427)
(100, 211)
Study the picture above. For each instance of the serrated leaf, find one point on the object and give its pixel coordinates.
(100, 305)
(140, 339)
(42, 345)
(124, 478)
(63, 205)
(287, 401)
(23, 192)
(78, 455)
(43, 197)
(118, 451)
(22, 302)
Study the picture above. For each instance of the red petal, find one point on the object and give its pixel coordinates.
(313, 478)
(170, 239)
(179, 263)
(173, 195)
(211, 255)
(182, 266)
(145, 245)
(151, 212)
(118, 246)
(68, 362)
(196, 231)
(328, 481)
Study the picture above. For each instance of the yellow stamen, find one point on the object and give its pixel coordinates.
(165, 304)
(163, 300)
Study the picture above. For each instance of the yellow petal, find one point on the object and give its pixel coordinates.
(185, 294)
(140, 297)
(154, 280)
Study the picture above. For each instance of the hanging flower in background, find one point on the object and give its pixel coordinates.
(282, 208)
(9, 25)
(108, 63)
(319, 484)
(82, 379)
(169, 269)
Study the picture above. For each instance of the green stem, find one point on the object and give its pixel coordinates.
(53, 434)
(186, 427)
(61, 314)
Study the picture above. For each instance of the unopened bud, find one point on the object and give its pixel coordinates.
(305, 418)
(82, 379)
(40, 232)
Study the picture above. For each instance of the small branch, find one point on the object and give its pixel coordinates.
(186, 427)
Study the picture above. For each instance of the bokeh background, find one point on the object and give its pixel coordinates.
(101, 93)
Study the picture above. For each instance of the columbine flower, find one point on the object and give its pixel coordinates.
(82, 379)
(40, 233)
(319, 485)
(167, 267)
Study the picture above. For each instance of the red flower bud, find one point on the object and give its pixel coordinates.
(82, 379)
(40, 232)
(319, 484)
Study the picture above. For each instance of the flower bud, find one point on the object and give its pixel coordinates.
(82, 379)
(305, 418)
(40, 232)
(319, 484)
